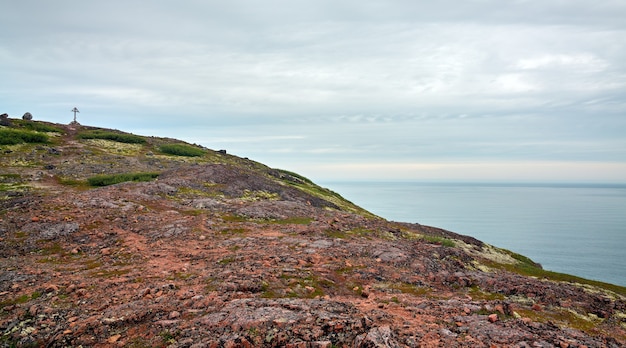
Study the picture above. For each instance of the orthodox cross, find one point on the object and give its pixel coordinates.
(75, 110)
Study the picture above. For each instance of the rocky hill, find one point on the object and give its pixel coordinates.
(109, 239)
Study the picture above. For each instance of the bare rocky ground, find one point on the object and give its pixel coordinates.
(220, 251)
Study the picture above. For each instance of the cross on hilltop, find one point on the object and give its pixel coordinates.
(75, 110)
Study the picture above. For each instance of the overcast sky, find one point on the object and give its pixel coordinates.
(333, 90)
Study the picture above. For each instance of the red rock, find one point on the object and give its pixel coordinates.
(499, 308)
(35, 219)
(114, 338)
(493, 318)
(537, 307)
(32, 310)
(51, 288)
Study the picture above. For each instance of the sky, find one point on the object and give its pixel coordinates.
(477, 90)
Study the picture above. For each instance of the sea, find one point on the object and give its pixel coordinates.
(579, 229)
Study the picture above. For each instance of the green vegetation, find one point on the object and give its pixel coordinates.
(258, 195)
(15, 136)
(21, 299)
(527, 267)
(439, 240)
(111, 179)
(182, 150)
(37, 126)
(108, 135)
(291, 220)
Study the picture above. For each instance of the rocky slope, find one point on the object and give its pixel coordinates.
(198, 248)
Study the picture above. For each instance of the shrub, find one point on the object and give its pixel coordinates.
(14, 136)
(111, 179)
(119, 137)
(182, 150)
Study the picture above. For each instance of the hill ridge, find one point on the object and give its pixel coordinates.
(114, 239)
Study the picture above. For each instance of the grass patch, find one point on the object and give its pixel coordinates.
(114, 136)
(37, 126)
(182, 150)
(15, 136)
(478, 294)
(234, 218)
(111, 179)
(446, 242)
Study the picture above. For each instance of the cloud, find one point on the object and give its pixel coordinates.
(331, 81)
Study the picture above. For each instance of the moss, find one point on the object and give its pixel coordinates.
(478, 294)
(565, 318)
(226, 260)
(258, 195)
(111, 179)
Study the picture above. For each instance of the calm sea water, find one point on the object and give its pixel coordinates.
(575, 229)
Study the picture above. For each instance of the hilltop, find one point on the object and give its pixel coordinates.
(110, 239)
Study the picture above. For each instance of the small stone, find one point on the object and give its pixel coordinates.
(537, 307)
(51, 288)
(35, 219)
(564, 345)
(202, 237)
(114, 338)
(493, 318)
(105, 251)
(32, 311)
(67, 332)
(174, 315)
(499, 308)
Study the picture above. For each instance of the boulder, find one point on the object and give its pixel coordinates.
(27, 116)
(4, 120)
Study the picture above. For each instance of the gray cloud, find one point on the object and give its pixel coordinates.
(292, 82)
